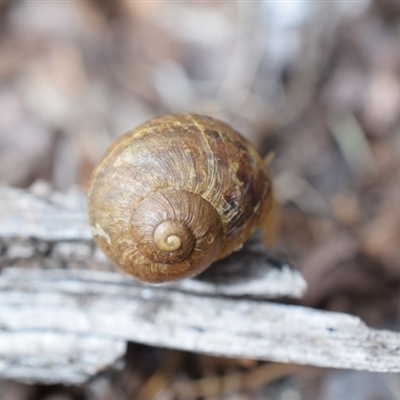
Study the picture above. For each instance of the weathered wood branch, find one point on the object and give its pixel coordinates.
(60, 320)
(53, 232)
(66, 314)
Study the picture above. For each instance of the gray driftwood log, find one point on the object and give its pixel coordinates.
(65, 314)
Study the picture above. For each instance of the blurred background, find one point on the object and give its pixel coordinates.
(317, 83)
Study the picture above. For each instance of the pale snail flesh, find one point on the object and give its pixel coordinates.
(175, 194)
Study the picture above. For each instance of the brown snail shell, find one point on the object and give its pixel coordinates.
(175, 194)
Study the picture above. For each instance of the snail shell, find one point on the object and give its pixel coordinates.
(175, 194)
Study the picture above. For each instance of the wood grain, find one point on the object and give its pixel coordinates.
(66, 314)
(58, 319)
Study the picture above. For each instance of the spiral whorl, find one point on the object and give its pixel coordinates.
(179, 228)
(169, 236)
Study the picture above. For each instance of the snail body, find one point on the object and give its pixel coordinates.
(175, 194)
